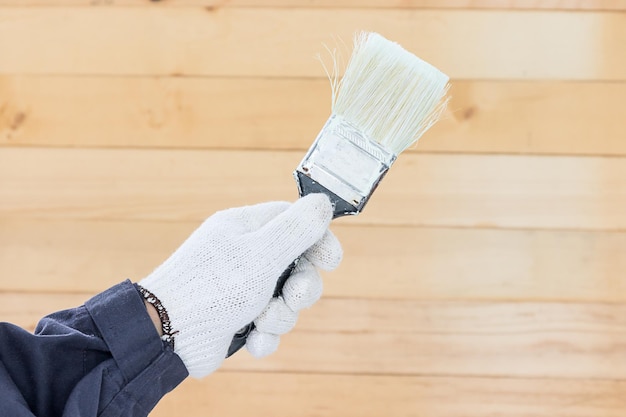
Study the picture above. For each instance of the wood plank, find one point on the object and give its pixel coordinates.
(439, 338)
(246, 394)
(470, 339)
(400, 4)
(493, 191)
(413, 263)
(163, 112)
(282, 42)
(260, 113)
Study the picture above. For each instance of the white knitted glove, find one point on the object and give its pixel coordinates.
(223, 277)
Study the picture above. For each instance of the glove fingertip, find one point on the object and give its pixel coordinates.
(319, 204)
(277, 318)
(326, 253)
(303, 289)
(262, 344)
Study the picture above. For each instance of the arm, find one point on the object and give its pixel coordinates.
(154, 317)
(103, 358)
(106, 358)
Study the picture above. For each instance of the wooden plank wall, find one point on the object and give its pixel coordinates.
(486, 277)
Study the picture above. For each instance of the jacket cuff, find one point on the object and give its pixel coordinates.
(123, 321)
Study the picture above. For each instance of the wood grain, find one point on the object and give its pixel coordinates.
(243, 394)
(282, 42)
(505, 340)
(436, 338)
(494, 191)
(403, 263)
(353, 4)
(260, 113)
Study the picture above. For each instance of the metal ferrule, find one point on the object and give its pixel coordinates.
(343, 161)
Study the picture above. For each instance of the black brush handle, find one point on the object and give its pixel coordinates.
(341, 208)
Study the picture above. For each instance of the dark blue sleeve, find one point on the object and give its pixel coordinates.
(101, 359)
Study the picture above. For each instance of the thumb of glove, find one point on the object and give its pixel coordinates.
(292, 232)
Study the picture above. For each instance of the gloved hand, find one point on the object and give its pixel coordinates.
(223, 277)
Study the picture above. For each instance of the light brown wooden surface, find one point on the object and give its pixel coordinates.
(245, 42)
(276, 113)
(414, 263)
(487, 275)
(373, 396)
(402, 4)
(492, 191)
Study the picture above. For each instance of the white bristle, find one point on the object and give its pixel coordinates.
(388, 93)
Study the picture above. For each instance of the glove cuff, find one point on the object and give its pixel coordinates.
(198, 341)
(166, 324)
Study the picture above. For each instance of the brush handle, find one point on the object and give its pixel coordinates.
(239, 340)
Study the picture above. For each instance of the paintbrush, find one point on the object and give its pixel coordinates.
(386, 99)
